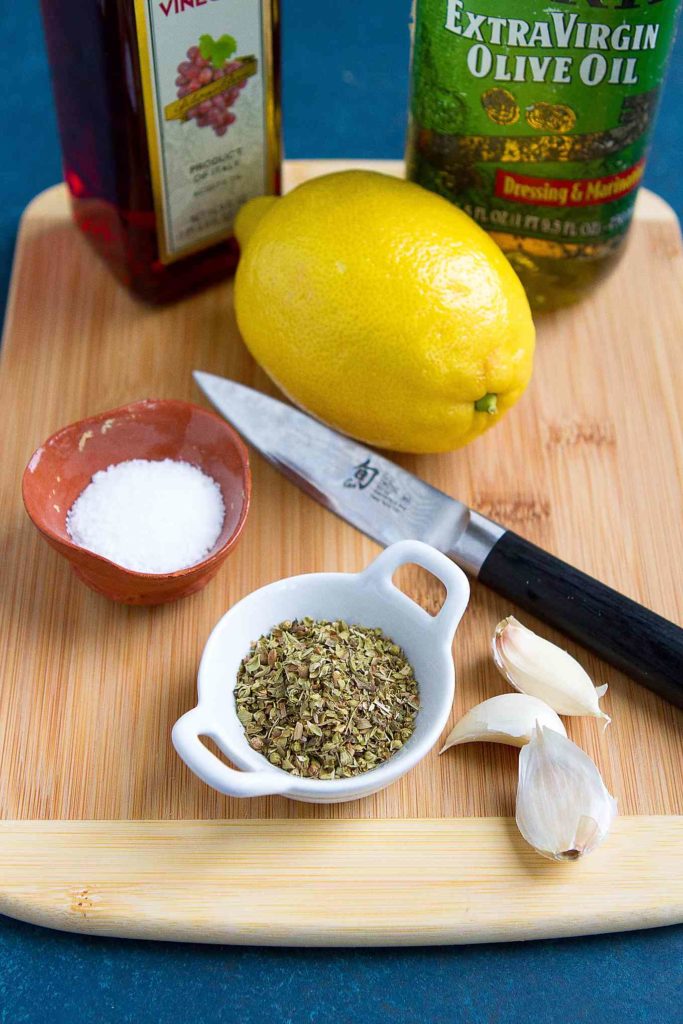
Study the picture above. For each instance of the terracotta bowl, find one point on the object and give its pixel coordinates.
(64, 465)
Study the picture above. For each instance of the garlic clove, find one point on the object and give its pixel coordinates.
(563, 808)
(540, 669)
(508, 718)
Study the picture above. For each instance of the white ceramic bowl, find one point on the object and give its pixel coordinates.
(367, 598)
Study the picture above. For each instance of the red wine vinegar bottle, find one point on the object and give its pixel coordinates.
(169, 118)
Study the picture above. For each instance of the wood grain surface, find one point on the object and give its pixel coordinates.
(588, 465)
(334, 883)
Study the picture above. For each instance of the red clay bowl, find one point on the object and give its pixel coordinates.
(63, 466)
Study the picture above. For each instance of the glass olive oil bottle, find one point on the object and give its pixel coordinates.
(538, 125)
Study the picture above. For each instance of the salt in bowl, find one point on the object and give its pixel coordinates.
(63, 466)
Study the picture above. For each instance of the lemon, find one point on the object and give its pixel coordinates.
(383, 310)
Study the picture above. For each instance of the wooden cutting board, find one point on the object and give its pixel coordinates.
(104, 830)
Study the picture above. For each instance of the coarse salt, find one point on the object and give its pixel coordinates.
(149, 516)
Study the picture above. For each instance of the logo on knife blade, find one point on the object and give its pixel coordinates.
(362, 475)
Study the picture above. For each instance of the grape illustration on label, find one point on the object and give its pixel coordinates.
(211, 83)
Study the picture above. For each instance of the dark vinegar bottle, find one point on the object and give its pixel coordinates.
(169, 119)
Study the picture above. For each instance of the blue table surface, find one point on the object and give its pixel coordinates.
(345, 83)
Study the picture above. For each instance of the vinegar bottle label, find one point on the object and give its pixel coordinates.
(207, 77)
(538, 124)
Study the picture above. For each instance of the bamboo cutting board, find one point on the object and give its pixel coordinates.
(102, 828)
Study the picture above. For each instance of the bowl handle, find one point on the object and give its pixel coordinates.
(210, 769)
(381, 570)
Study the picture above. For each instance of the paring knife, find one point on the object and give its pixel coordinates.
(388, 504)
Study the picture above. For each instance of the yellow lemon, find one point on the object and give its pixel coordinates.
(383, 310)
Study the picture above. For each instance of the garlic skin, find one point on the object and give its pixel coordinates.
(563, 808)
(540, 669)
(508, 718)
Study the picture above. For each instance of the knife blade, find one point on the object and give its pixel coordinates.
(388, 503)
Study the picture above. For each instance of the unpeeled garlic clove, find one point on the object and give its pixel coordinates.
(540, 669)
(563, 808)
(508, 718)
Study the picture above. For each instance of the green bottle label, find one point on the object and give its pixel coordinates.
(537, 125)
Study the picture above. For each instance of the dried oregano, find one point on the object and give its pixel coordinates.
(325, 700)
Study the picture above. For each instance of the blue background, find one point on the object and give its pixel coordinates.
(345, 84)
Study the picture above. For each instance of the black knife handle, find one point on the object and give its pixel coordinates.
(634, 639)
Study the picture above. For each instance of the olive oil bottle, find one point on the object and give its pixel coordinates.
(538, 125)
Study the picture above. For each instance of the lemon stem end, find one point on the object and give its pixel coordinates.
(489, 404)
